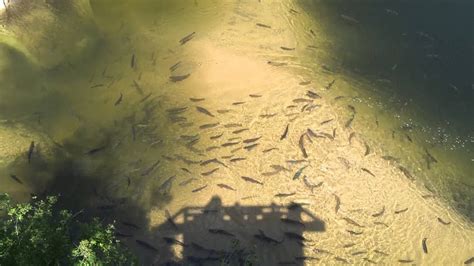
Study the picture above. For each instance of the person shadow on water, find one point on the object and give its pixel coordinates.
(236, 235)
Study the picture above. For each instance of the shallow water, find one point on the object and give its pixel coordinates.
(115, 135)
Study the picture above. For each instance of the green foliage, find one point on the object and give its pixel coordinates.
(35, 234)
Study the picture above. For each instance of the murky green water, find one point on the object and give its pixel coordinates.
(122, 130)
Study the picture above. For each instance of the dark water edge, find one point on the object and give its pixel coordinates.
(420, 53)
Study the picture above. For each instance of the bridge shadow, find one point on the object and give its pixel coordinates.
(236, 235)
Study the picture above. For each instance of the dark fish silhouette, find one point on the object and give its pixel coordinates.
(400, 211)
(237, 159)
(132, 61)
(221, 232)
(31, 149)
(137, 87)
(96, 150)
(338, 202)
(223, 111)
(150, 169)
(261, 236)
(250, 147)
(354, 232)
(469, 261)
(132, 225)
(283, 195)
(304, 83)
(313, 95)
(299, 172)
(217, 136)
(287, 48)
(406, 172)
(423, 244)
(210, 172)
(351, 136)
(359, 253)
(443, 222)
(146, 245)
(204, 111)
(381, 223)
(405, 261)
(269, 150)
(175, 66)
(330, 84)
(224, 186)
(187, 38)
(380, 213)
(14, 177)
(227, 144)
(170, 220)
(196, 99)
(179, 78)
(238, 103)
(230, 125)
(285, 133)
(215, 160)
(251, 140)
(367, 149)
(352, 222)
(272, 63)
(255, 95)
(119, 100)
(206, 126)
(263, 25)
(367, 171)
(341, 260)
(349, 245)
(251, 180)
(119, 234)
(240, 130)
(199, 189)
(326, 121)
(310, 185)
(172, 241)
(390, 158)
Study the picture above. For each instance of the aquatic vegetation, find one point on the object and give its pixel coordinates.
(38, 234)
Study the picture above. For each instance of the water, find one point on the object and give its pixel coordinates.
(116, 136)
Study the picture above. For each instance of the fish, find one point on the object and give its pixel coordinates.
(238, 103)
(197, 99)
(187, 38)
(312, 95)
(224, 186)
(284, 195)
(304, 83)
(251, 140)
(171, 241)
(349, 245)
(329, 86)
(380, 223)
(302, 100)
(217, 136)
(206, 126)
(263, 25)
(352, 222)
(296, 161)
(292, 222)
(369, 260)
(169, 219)
(166, 186)
(408, 138)
(299, 172)
(380, 252)
(251, 180)
(341, 259)
(31, 149)
(212, 148)
(285, 133)
(469, 261)
(349, 122)
(406, 172)
(287, 48)
(423, 244)
(210, 172)
(295, 236)
(334, 133)
(204, 111)
(237, 159)
(231, 125)
(400, 211)
(132, 61)
(239, 130)
(268, 115)
(349, 19)
(367, 149)
(119, 100)
(443, 222)
(223, 111)
(262, 237)
(311, 186)
(358, 253)
(338, 203)
(380, 213)
(198, 189)
(221, 232)
(367, 171)
(279, 168)
(255, 95)
(326, 121)
(137, 87)
(277, 64)
(390, 158)
(146, 97)
(96, 86)
(132, 225)
(251, 146)
(405, 261)
(14, 177)
(215, 160)
(227, 144)
(146, 245)
(179, 77)
(177, 110)
(118, 234)
(96, 150)
(175, 66)
(269, 150)
(354, 232)
(150, 169)
(301, 145)
(351, 136)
